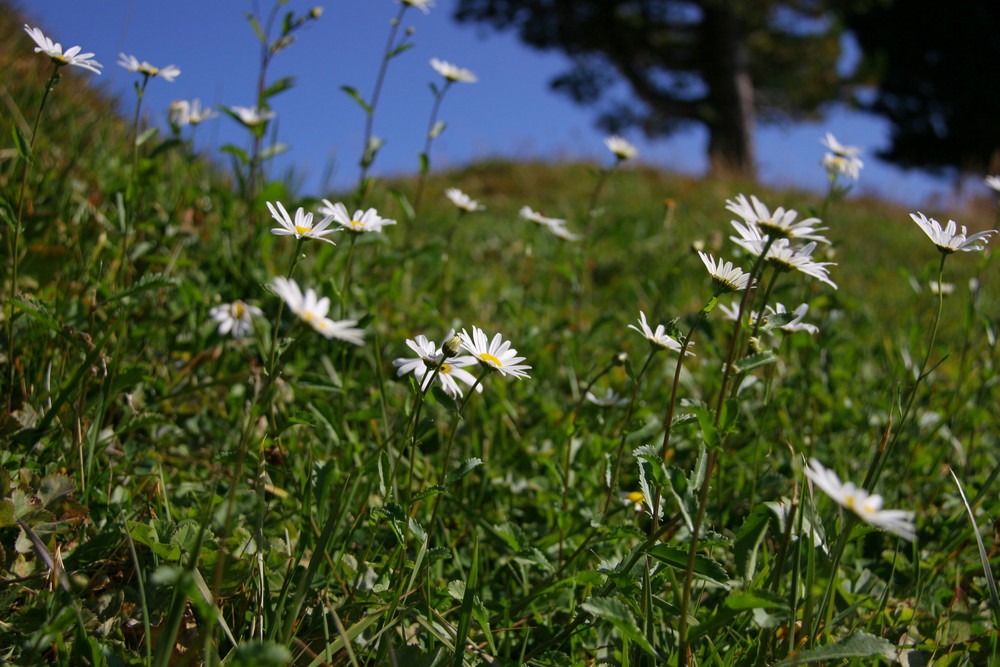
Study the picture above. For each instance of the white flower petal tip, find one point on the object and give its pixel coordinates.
(622, 148)
(360, 223)
(302, 226)
(726, 276)
(452, 72)
(659, 338)
(952, 238)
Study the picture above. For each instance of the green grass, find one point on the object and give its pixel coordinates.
(170, 495)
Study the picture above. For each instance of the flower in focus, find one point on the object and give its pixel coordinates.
(868, 507)
(430, 358)
(361, 222)
(235, 318)
(132, 64)
(252, 116)
(453, 73)
(312, 310)
(422, 5)
(621, 147)
(780, 225)
(950, 239)
(658, 338)
(725, 275)
(302, 226)
(786, 257)
(53, 50)
(610, 399)
(841, 160)
(463, 201)
(555, 225)
(496, 354)
(993, 182)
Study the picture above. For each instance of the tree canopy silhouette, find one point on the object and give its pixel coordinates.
(715, 63)
(934, 67)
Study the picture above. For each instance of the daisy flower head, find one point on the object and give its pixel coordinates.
(453, 73)
(610, 399)
(841, 160)
(430, 359)
(360, 222)
(235, 318)
(54, 51)
(302, 226)
(780, 225)
(658, 338)
(634, 499)
(252, 116)
(868, 507)
(950, 239)
(197, 115)
(726, 276)
(556, 226)
(622, 148)
(463, 201)
(795, 324)
(495, 354)
(422, 5)
(132, 64)
(179, 114)
(786, 257)
(993, 183)
(312, 310)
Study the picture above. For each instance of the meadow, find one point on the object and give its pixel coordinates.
(509, 414)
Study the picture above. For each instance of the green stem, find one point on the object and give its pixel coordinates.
(425, 163)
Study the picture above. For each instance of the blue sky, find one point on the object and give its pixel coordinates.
(509, 112)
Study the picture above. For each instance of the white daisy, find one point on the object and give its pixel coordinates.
(252, 116)
(780, 224)
(795, 324)
(132, 64)
(950, 239)
(556, 226)
(361, 222)
(198, 115)
(312, 310)
(610, 399)
(422, 5)
(302, 226)
(453, 73)
(660, 337)
(787, 257)
(621, 147)
(53, 50)
(463, 201)
(842, 160)
(430, 357)
(496, 354)
(868, 507)
(235, 318)
(725, 275)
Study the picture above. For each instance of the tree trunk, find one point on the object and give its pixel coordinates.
(727, 75)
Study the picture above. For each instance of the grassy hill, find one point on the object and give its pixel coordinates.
(172, 494)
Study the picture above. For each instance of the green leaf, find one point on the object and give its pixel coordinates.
(777, 321)
(261, 654)
(755, 600)
(279, 86)
(356, 96)
(615, 612)
(256, 28)
(39, 312)
(404, 204)
(463, 470)
(23, 147)
(7, 513)
(704, 567)
(236, 152)
(147, 134)
(148, 283)
(145, 534)
(748, 541)
(272, 150)
(856, 645)
(399, 49)
(425, 163)
(753, 361)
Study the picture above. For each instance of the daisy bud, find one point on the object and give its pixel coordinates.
(451, 346)
(620, 359)
(315, 12)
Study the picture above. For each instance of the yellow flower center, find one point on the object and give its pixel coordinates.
(357, 223)
(849, 503)
(302, 231)
(635, 497)
(491, 359)
(238, 310)
(445, 368)
(307, 316)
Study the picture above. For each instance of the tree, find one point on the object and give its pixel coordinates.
(719, 63)
(934, 65)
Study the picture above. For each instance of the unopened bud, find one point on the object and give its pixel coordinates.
(620, 359)
(451, 347)
(315, 12)
(410, 30)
